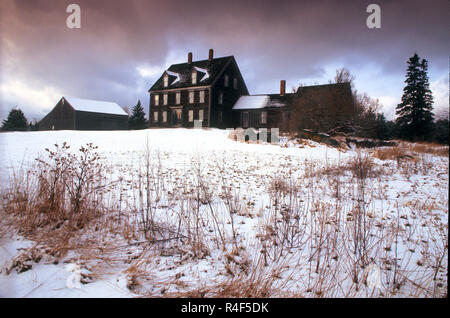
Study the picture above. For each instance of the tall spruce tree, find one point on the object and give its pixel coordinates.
(137, 118)
(16, 121)
(414, 117)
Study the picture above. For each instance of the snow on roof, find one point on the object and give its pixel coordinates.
(202, 70)
(95, 106)
(175, 75)
(252, 102)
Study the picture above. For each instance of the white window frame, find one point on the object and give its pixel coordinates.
(191, 97)
(166, 80)
(202, 96)
(177, 98)
(165, 98)
(164, 116)
(156, 99)
(263, 117)
(194, 77)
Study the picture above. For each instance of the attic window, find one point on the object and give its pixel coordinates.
(235, 83)
(166, 80)
(226, 80)
(194, 77)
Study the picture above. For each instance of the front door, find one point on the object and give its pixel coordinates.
(176, 116)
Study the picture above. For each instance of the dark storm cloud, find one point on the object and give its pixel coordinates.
(270, 39)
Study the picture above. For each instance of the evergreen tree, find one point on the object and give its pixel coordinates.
(415, 119)
(137, 118)
(16, 121)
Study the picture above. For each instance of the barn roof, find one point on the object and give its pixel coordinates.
(180, 74)
(261, 101)
(95, 106)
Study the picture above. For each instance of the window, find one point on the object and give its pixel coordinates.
(156, 100)
(263, 117)
(219, 117)
(191, 97)
(164, 116)
(194, 77)
(225, 81)
(235, 83)
(155, 116)
(191, 115)
(220, 98)
(165, 99)
(166, 80)
(177, 98)
(200, 114)
(202, 96)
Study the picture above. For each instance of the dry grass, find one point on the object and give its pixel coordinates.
(409, 150)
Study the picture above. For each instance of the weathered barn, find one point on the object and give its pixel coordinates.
(203, 90)
(319, 107)
(83, 114)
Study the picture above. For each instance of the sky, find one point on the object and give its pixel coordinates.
(122, 47)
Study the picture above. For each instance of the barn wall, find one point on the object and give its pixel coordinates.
(100, 121)
(61, 117)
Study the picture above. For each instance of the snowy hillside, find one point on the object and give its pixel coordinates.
(188, 212)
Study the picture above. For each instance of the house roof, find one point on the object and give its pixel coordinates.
(261, 101)
(95, 106)
(180, 74)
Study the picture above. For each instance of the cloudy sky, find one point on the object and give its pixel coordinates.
(122, 47)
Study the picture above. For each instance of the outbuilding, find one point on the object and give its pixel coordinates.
(84, 114)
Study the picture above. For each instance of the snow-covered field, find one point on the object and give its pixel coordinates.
(236, 219)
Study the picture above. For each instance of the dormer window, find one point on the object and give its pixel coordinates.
(226, 80)
(166, 80)
(194, 77)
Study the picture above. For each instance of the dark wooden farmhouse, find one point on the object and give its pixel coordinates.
(214, 92)
(83, 114)
(203, 90)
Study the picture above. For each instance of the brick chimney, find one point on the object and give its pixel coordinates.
(211, 54)
(190, 57)
(282, 87)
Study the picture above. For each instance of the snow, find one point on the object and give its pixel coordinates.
(202, 70)
(87, 105)
(252, 102)
(248, 168)
(174, 75)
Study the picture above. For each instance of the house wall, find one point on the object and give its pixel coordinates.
(61, 117)
(230, 96)
(184, 104)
